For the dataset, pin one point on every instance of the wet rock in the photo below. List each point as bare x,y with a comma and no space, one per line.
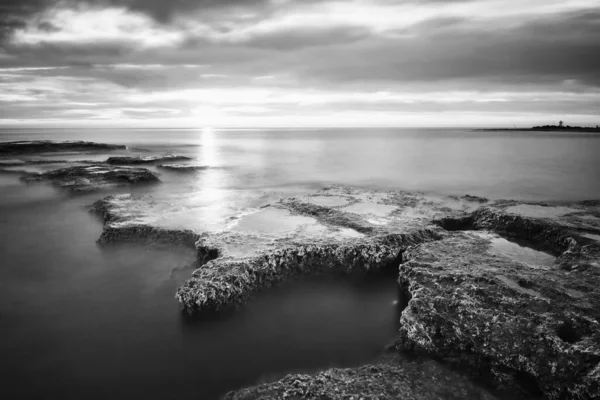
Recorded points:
475,198
183,167
386,380
366,231
148,235
520,326
81,179
43,146
229,281
11,163
125,160
517,325
125,224
13,171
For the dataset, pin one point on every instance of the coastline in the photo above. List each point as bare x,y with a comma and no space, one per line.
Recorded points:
467,303
542,129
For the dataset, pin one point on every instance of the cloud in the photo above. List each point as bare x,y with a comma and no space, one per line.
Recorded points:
93,26
265,59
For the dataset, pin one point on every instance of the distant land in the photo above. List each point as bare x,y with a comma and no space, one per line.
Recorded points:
545,128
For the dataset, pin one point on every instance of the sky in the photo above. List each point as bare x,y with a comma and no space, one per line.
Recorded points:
299,63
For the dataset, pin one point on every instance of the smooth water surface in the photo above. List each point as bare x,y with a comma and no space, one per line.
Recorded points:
81,322
516,165
77,321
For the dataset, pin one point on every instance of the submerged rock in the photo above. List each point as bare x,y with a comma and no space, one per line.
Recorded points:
42,146
388,379
125,160
93,177
183,167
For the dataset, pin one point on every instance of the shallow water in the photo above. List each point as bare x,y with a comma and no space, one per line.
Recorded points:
516,165
79,322
524,254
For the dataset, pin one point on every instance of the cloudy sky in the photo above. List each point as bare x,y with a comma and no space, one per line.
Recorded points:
299,62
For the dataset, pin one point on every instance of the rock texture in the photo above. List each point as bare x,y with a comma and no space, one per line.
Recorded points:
126,160
338,229
536,328
43,146
386,380
11,163
522,326
183,167
91,178
121,225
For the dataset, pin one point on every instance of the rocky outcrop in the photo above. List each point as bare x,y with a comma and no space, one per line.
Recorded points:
82,179
183,167
388,379
43,146
338,229
230,281
144,160
141,234
117,215
516,325
11,163
535,328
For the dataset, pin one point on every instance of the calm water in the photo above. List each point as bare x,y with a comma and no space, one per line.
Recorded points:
521,165
80,322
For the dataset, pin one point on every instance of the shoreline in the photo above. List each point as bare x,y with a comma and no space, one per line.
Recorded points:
541,129
493,298
469,307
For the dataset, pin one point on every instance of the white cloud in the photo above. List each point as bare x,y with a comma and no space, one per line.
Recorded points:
87,25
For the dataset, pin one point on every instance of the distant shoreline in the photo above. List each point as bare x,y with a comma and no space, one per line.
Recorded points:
549,128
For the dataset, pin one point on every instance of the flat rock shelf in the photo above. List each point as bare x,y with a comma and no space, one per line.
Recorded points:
44,146
507,292
90,178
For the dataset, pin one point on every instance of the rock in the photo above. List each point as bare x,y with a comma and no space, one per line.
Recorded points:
183,167
515,325
13,171
230,281
43,146
389,379
94,177
11,163
144,160
118,214
365,230
520,326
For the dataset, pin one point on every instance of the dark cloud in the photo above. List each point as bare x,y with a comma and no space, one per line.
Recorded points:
548,53
14,13
548,50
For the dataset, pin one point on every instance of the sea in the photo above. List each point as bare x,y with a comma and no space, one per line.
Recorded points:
78,321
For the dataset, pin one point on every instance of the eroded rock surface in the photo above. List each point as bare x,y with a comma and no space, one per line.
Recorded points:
11,163
93,177
43,146
538,328
183,167
127,160
125,222
361,231
519,318
389,379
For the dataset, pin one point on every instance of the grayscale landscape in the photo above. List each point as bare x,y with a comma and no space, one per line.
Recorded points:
284,199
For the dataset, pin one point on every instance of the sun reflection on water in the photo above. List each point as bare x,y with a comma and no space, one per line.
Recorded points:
211,193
